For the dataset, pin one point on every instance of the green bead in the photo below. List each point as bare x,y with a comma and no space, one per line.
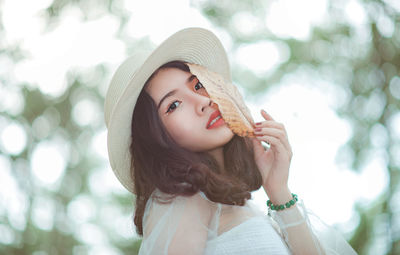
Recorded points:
283,206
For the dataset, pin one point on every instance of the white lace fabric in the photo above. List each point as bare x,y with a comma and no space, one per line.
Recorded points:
196,225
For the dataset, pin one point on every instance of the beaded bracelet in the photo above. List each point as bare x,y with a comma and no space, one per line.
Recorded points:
284,206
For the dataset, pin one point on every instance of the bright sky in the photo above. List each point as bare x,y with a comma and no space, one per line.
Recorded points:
303,104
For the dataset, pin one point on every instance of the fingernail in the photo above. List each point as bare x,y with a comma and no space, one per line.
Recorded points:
258,123
257,129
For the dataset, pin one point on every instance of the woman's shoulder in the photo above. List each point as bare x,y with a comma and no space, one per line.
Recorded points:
197,199
197,203
161,197
196,206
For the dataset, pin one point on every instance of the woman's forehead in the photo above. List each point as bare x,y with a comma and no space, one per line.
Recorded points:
166,80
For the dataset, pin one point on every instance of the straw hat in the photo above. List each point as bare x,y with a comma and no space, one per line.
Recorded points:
194,45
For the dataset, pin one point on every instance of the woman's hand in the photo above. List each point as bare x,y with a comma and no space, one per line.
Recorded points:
273,163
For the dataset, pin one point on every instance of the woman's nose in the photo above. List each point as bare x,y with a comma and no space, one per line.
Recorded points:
203,103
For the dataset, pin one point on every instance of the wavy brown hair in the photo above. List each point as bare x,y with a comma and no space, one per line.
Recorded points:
158,162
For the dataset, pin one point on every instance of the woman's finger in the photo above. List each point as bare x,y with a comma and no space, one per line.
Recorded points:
266,115
277,133
270,123
274,142
258,147
273,125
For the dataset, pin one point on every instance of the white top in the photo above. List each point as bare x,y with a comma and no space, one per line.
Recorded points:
196,225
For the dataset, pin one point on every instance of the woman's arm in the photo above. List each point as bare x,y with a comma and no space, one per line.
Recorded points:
274,164
178,227
298,234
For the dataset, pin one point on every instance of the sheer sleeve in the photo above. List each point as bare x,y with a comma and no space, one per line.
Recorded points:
176,226
325,238
196,225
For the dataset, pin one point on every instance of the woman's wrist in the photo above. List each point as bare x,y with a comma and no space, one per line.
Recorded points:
280,196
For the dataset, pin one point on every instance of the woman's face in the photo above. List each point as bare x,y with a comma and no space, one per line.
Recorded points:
186,110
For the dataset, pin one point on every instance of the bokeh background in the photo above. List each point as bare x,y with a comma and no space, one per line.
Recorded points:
327,69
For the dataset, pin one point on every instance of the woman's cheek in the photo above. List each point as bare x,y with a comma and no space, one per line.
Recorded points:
184,130
179,129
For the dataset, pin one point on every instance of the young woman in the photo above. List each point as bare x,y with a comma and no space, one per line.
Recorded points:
191,174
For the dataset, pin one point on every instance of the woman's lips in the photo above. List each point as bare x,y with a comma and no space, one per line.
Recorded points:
215,120
217,123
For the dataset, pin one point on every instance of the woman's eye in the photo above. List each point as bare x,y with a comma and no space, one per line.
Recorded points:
173,106
198,86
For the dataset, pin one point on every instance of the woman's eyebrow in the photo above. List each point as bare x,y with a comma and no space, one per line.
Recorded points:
172,92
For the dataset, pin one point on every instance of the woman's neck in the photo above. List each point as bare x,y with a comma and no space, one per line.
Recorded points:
218,154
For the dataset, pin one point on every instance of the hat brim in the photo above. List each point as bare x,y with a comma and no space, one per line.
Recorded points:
194,45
